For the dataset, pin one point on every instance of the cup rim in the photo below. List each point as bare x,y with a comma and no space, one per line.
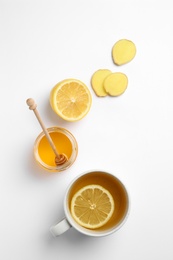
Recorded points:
90,232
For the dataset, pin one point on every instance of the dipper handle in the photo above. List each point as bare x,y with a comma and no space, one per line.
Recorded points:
60,158
31,103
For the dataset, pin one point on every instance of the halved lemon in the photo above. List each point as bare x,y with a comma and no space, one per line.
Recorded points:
92,206
70,99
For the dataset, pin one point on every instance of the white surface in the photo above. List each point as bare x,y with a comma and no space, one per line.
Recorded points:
43,42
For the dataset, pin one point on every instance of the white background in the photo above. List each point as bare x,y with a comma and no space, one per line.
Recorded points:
44,42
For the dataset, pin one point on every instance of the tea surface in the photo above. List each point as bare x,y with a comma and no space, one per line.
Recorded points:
113,186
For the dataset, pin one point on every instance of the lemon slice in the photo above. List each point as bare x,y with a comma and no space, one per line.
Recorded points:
70,99
92,206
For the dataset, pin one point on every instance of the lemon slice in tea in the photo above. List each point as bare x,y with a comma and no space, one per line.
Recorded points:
71,99
92,206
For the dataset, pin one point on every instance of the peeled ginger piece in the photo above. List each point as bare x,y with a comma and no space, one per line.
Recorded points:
97,82
115,84
123,51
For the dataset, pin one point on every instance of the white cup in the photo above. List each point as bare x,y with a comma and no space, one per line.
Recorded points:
121,200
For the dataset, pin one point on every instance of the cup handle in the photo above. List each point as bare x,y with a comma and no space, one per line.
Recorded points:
60,228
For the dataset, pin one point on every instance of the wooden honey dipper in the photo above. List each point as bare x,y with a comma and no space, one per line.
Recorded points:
59,158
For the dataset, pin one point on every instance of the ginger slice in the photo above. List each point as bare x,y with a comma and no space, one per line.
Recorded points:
123,51
115,84
97,82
